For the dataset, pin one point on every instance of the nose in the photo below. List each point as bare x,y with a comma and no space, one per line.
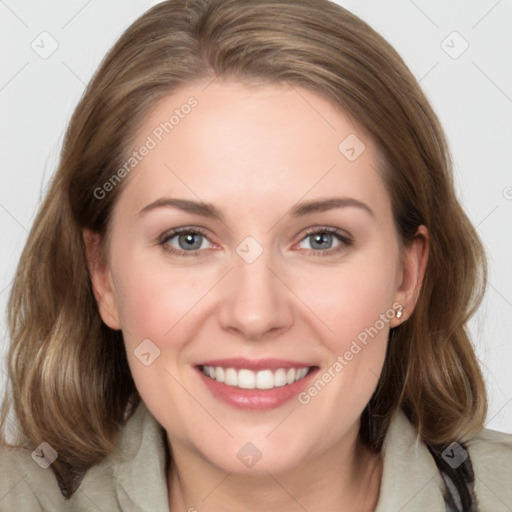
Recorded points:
256,302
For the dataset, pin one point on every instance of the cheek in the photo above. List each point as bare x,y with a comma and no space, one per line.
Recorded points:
152,299
363,294
354,299
159,302
153,303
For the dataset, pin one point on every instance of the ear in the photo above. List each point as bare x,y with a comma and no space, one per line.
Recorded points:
414,263
101,279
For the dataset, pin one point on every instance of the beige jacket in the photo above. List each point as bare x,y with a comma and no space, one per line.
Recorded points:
134,480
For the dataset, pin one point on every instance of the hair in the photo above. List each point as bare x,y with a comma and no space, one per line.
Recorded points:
69,380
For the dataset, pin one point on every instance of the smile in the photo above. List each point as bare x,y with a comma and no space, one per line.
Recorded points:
249,379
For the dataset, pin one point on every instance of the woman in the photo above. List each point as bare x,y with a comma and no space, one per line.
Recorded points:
242,291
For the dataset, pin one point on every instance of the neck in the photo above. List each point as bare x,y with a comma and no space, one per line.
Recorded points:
341,479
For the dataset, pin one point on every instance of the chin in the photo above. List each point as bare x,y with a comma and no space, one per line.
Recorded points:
256,458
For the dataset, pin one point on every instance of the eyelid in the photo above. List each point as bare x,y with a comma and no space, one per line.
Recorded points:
327,229
344,237
171,233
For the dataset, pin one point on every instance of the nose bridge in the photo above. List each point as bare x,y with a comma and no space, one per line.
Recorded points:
255,301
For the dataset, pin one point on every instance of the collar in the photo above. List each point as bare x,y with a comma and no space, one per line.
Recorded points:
139,464
410,478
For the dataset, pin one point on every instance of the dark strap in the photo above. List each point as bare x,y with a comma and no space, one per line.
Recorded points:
454,464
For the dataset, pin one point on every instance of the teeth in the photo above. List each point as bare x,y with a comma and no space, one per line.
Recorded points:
280,378
246,379
263,379
219,374
230,379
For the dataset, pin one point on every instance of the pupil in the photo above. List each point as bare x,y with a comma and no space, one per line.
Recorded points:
321,239
189,241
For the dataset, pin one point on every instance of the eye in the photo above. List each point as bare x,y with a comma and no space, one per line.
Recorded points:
321,241
191,241
184,241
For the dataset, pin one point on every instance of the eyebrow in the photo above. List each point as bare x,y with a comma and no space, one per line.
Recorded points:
299,210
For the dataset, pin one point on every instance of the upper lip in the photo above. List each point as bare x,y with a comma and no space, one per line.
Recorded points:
254,364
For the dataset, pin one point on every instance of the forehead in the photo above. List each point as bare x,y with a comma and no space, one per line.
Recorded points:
252,143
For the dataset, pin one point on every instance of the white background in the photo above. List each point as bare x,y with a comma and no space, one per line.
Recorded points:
472,95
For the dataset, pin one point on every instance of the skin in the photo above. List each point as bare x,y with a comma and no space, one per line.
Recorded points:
254,152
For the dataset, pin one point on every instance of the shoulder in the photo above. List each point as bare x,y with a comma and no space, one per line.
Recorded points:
491,456
27,485
132,478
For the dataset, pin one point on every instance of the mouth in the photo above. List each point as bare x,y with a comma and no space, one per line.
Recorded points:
255,384
249,379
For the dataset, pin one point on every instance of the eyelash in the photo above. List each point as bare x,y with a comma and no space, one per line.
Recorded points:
341,235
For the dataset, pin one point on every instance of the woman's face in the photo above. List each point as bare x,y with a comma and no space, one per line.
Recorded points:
288,260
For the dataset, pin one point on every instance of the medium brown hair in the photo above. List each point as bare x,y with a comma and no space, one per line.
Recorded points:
69,379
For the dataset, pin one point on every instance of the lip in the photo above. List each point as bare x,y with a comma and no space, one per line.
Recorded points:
255,399
254,364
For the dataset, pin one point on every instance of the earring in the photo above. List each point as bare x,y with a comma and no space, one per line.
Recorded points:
399,312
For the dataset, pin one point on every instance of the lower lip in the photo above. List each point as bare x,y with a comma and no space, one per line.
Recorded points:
256,399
